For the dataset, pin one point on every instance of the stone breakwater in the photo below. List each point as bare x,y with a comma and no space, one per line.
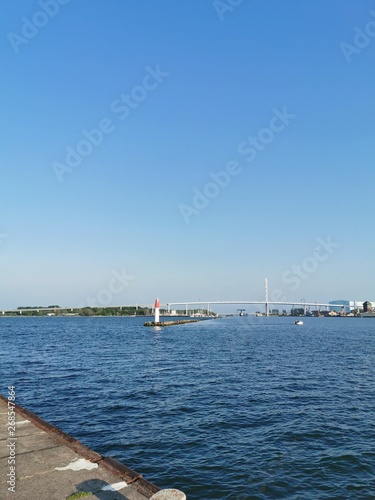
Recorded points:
170,323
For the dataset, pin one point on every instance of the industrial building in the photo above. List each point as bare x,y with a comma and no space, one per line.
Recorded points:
353,305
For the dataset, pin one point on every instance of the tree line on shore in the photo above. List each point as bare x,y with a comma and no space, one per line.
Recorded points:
56,310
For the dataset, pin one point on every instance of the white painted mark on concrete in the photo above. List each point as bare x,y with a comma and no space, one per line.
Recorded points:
169,494
21,422
115,486
79,464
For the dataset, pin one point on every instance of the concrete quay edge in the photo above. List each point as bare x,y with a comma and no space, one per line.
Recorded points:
109,464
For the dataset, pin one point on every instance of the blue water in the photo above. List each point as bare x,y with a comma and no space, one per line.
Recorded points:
239,408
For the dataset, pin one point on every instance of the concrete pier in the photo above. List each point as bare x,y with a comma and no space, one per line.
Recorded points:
170,323
40,462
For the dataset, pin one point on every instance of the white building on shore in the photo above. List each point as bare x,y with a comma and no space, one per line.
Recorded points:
350,305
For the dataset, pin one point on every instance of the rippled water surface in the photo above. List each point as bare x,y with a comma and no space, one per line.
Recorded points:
238,408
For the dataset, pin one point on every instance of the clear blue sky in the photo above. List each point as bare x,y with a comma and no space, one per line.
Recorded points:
220,76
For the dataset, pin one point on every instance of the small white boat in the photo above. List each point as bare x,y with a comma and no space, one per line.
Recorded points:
298,322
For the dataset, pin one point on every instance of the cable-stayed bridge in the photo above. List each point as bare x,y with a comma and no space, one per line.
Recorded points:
266,304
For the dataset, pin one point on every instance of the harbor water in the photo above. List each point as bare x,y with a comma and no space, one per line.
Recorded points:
237,408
